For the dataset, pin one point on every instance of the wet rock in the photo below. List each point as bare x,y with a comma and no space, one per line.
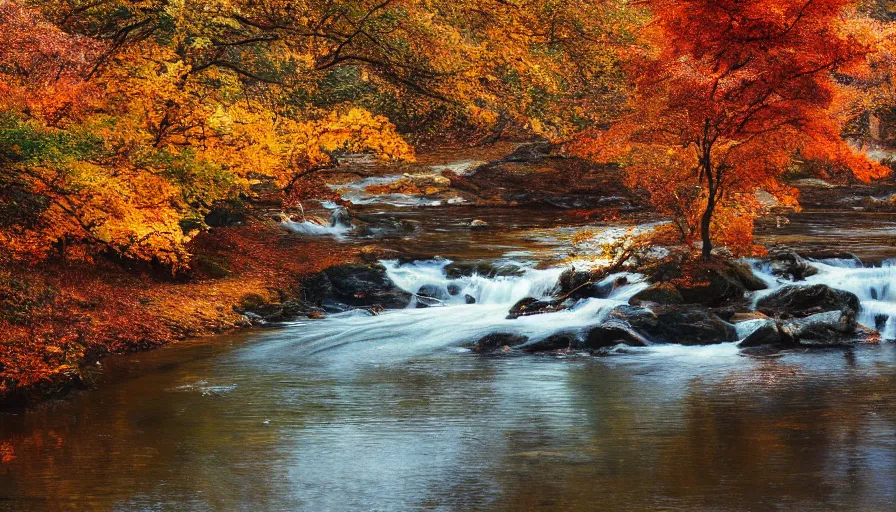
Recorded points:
469,299
691,327
803,301
790,265
428,302
822,329
766,334
684,325
478,224
433,292
557,341
611,333
639,318
355,285
496,341
721,283
660,293
532,306
453,289
571,279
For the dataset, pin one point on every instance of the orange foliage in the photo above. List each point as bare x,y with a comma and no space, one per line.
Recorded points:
730,92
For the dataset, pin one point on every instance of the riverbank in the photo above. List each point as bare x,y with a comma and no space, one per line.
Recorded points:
59,320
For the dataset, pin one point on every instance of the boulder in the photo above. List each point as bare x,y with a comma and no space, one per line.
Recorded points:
639,318
660,293
790,265
495,341
821,329
469,299
611,333
557,341
578,284
532,306
766,334
684,325
721,283
355,285
803,301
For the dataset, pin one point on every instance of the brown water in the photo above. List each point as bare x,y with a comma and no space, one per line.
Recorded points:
391,413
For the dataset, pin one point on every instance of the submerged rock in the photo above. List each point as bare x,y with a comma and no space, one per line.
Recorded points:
355,285
341,218
802,301
495,341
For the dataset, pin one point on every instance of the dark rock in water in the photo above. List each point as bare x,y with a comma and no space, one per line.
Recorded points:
822,329
691,327
433,292
458,270
341,218
612,333
684,325
790,265
558,341
722,283
577,284
660,293
802,301
453,289
355,285
639,318
496,341
469,299
334,306
532,306
766,334
571,279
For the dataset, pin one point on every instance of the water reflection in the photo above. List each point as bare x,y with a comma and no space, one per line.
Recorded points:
229,430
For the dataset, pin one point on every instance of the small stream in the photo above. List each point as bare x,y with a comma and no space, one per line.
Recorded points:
393,412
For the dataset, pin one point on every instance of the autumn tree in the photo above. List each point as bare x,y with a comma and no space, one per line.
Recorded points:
730,92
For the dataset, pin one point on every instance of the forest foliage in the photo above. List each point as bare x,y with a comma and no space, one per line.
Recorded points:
122,123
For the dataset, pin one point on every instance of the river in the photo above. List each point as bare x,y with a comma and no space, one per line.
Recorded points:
392,412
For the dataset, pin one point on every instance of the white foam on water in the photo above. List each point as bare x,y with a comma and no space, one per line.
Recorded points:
314,229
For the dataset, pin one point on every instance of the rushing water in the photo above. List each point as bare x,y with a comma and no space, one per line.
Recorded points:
393,412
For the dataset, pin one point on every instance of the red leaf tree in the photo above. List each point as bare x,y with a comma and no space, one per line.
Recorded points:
728,93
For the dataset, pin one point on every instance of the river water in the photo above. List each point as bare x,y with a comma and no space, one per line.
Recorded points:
392,412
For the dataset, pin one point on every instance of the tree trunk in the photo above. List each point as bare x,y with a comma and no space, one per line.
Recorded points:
705,223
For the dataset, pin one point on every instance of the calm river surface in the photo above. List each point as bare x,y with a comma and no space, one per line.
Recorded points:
391,413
